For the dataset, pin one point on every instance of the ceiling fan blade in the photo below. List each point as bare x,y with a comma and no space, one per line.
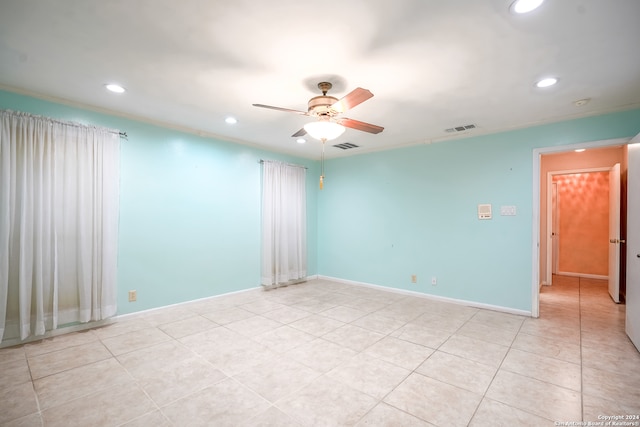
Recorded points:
358,125
301,132
353,98
286,110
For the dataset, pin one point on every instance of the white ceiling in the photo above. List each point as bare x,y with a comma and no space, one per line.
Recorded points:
431,64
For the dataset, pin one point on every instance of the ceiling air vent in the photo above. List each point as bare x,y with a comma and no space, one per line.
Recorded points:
346,145
460,128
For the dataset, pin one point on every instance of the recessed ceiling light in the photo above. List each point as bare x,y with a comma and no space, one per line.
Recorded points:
231,120
549,81
525,6
579,150
301,140
112,87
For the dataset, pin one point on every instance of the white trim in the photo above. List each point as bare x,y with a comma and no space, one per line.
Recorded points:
257,288
56,332
67,323
582,275
90,325
553,244
535,240
535,256
550,176
153,122
335,155
151,310
429,296
583,170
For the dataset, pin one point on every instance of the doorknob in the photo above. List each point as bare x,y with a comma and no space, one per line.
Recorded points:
622,241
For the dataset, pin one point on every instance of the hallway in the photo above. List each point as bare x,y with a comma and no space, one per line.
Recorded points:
580,312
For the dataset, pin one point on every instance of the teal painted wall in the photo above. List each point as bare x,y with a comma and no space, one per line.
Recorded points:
387,215
189,209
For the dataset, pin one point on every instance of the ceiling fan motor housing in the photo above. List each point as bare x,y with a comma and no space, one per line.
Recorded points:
329,109
321,105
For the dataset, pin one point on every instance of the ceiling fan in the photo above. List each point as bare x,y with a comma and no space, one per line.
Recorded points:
328,109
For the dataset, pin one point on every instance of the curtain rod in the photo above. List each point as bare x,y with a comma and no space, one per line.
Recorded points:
65,122
284,163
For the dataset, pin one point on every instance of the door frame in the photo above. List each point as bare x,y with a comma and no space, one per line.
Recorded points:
550,176
555,220
632,311
614,249
535,240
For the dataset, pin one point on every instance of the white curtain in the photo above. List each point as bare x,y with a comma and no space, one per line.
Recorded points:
284,223
59,204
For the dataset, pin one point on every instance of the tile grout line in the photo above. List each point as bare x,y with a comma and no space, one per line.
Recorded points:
33,387
581,358
381,400
484,395
414,371
581,319
410,372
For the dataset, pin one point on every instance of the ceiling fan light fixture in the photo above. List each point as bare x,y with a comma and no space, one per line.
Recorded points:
525,6
324,130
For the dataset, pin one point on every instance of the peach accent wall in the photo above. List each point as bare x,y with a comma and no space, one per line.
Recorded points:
583,229
593,158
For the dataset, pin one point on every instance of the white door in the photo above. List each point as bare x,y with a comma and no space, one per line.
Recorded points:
614,233
633,245
554,228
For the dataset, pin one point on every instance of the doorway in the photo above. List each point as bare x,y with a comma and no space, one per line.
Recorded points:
578,219
631,211
598,154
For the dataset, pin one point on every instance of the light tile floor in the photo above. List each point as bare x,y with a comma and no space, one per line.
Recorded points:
329,354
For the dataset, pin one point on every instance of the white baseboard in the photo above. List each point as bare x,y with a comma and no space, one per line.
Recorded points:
84,326
543,283
151,310
9,342
90,325
582,275
430,296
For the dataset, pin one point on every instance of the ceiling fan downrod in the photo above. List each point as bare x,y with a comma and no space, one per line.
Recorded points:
324,87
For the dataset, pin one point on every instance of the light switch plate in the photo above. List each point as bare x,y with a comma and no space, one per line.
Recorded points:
508,210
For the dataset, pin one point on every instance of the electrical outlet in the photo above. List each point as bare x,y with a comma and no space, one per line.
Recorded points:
414,278
133,296
434,281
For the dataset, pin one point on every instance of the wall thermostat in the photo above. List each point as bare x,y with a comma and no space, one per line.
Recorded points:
484,211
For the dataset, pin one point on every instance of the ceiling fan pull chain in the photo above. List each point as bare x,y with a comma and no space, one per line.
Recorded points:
322,168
